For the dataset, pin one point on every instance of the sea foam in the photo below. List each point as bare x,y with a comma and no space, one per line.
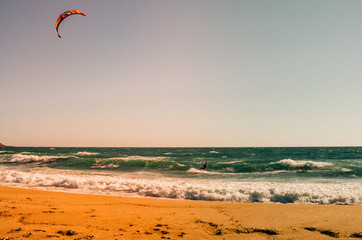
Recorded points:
139,158
202,171
86,153
142,185
22,158
300,164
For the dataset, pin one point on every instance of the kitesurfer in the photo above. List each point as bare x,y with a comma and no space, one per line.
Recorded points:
203,165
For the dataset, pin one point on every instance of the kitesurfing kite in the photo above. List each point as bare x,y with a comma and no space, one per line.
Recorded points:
63,16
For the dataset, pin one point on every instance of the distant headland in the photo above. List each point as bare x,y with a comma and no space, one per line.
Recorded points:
2,145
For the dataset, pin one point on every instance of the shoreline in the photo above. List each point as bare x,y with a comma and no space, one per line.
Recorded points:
39,214
135,196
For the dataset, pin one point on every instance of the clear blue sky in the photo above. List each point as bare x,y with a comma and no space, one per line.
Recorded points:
181,73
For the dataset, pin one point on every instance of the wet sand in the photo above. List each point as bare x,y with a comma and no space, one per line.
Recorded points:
34,214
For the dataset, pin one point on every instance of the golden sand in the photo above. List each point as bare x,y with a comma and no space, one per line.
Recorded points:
34,214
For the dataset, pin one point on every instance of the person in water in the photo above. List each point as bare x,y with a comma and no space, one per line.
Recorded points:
203,165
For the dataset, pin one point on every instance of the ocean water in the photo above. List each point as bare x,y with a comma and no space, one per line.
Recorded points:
310,175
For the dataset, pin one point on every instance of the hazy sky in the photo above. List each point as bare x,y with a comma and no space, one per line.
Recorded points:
181,73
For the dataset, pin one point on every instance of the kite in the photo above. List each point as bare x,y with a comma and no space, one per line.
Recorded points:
63,16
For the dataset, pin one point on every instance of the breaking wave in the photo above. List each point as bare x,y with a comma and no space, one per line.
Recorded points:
139,158
162,187
232,162
110,165
86,153
194,170
22,158
301,164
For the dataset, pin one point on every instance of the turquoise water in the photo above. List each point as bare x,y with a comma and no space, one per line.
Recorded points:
312,175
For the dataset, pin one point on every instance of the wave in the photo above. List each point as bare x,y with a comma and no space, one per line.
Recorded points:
86,153
194,170
232,172
21,158
110,165
232,162
301,164
115,161
162,187
346,170
139,158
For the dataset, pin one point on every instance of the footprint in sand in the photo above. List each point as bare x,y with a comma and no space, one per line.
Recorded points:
15,230
27,235
84,238
219,231
162,228
356,235
67,233
323,231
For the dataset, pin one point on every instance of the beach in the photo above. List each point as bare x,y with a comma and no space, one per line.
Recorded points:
180,120
37,214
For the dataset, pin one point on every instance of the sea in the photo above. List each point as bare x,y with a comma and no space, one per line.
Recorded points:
285,175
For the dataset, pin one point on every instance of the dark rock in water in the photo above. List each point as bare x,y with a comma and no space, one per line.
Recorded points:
285,198
256,197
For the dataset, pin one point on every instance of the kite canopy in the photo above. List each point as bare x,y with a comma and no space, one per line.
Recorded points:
63,16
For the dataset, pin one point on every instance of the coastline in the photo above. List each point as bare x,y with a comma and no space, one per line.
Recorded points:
38,214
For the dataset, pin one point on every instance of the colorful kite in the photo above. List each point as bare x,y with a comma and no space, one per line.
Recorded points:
63,16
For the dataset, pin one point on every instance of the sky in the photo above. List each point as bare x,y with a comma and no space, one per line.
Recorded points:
162,73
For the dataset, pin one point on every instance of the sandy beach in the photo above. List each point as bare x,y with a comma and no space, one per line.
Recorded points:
34,214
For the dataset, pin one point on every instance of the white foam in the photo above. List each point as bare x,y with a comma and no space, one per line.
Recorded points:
294,163
86,153
179,164
139,158
232,162
346,170
144,185
21,158
194,170
105,166
104,163
231,172
213,152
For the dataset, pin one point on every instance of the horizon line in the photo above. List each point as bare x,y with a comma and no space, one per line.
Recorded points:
310,146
